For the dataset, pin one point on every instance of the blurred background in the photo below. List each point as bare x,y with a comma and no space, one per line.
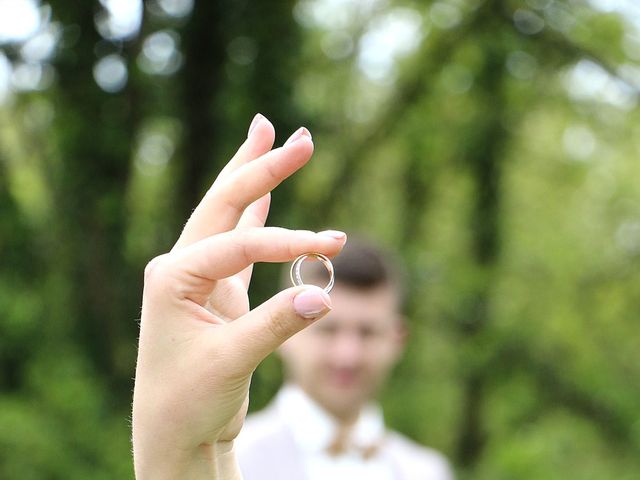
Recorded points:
493,143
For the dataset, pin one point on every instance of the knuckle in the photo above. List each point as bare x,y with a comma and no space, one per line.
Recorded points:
231,203
242,242
271,170
278,325
150,268
231,192
155,271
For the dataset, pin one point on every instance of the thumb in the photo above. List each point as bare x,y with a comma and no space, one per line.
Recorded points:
265,328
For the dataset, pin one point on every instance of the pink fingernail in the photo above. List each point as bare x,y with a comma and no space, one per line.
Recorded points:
301,132
312,303
254,123
337,234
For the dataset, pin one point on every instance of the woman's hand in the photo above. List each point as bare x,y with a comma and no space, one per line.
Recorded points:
199,342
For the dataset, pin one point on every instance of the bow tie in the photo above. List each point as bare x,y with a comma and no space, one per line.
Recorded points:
342,443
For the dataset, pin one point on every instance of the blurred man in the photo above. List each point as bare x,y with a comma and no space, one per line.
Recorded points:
323,423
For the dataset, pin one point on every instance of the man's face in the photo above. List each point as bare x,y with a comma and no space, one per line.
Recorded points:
343,359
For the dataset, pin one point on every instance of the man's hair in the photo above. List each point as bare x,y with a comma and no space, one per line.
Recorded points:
362,265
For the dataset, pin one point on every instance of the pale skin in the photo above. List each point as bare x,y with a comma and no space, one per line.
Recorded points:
199,341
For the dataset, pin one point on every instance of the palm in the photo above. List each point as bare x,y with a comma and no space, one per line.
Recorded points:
229,300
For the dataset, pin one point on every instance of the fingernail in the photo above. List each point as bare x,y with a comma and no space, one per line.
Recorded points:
301,132
254,122
312,303
337,234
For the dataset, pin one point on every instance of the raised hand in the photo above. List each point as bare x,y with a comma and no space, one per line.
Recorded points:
199,342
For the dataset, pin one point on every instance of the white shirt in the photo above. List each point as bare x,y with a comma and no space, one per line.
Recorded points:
288,441
314,430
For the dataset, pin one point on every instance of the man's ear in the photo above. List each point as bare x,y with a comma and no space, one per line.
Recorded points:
401,333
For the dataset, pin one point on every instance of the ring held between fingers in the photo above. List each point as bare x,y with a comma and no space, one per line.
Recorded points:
223,255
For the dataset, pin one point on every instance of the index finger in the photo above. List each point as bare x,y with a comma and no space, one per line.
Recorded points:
224,255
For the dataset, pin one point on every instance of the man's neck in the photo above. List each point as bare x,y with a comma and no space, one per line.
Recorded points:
345,417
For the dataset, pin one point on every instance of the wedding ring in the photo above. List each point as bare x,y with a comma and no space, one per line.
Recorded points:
296,275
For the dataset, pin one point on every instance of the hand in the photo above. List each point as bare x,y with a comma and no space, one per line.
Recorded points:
199,343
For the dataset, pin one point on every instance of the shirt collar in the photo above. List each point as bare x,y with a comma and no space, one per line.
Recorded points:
314,429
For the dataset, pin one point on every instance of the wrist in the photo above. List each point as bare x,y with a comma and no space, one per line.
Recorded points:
211,462
226,461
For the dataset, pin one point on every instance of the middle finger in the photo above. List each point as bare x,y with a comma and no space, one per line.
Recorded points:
223,205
